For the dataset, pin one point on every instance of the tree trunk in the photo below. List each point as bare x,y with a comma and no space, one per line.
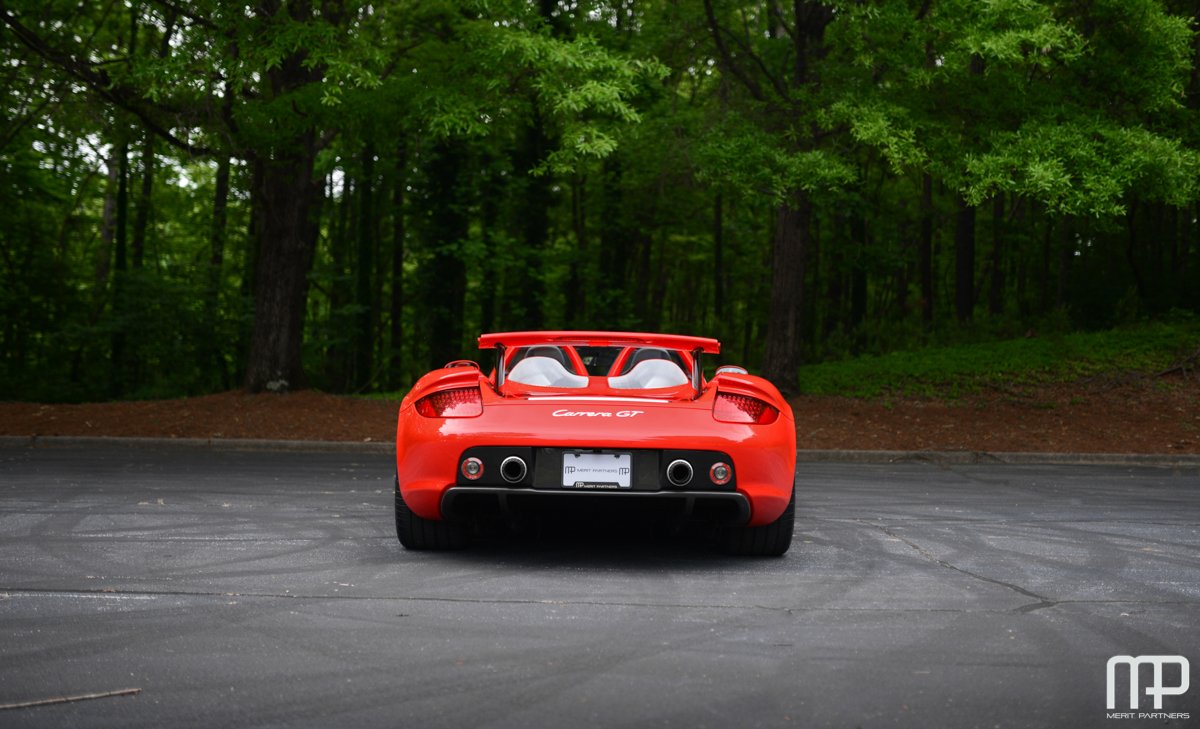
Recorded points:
290,202
641,297
216,262
1131,251
858,272
781,358
809,305
1171,224
614,302
142,217
835,284
964,262
996,288
925,249
1190,243
1153,244
339,352
396,362
489,214
1066,255
254,234
288,224
133,368
446,280
364,266
1019,260
102,262
576,293
1044,279
659,289
719,262
534,211
108,229
220,218
120,266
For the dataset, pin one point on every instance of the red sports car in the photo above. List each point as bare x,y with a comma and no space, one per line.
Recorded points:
596,418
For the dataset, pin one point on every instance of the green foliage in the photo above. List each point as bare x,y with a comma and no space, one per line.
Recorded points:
613,166
1084,169
758,164
883,126
586,89
950,371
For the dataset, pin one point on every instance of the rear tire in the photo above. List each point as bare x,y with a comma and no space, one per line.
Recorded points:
416,532
768,540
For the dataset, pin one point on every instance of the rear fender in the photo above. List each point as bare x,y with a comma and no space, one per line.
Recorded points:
447,378
751,386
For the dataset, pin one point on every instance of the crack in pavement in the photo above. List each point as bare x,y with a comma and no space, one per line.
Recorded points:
1041,603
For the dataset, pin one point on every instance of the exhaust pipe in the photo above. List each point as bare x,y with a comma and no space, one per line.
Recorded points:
513,469
679,472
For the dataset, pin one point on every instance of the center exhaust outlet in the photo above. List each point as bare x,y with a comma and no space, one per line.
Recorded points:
679,472
513,469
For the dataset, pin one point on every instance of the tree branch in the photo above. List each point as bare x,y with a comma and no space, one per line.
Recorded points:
726,57
182,10
746,49
165,47
13,129
96,79
774,11
326,138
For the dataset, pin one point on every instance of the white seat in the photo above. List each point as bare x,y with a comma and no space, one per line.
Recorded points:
545,372
650,374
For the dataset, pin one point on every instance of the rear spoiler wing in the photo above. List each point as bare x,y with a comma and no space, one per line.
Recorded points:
695,345
510,340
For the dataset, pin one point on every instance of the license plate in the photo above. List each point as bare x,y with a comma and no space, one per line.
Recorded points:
597,470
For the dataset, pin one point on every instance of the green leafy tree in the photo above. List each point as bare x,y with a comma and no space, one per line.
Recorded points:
272,83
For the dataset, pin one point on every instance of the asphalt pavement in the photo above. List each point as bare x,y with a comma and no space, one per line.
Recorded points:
267,589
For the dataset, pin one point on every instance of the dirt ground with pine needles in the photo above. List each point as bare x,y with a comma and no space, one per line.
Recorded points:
1137,415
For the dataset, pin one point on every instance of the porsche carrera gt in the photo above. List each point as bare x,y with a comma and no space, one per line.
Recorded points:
602,418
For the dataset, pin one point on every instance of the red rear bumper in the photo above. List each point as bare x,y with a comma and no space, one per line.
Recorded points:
429,450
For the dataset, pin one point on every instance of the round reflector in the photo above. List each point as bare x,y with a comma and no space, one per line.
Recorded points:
472,468
720,473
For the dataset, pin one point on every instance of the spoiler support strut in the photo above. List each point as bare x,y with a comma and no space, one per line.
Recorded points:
500,369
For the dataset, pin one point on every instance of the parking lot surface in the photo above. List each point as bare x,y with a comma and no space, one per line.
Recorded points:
268,589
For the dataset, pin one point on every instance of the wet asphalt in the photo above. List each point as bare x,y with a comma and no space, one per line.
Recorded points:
259,589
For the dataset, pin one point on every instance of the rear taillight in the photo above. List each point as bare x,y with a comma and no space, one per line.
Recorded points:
730,408
463,402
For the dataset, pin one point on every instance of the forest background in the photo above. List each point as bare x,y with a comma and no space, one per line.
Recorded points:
197,196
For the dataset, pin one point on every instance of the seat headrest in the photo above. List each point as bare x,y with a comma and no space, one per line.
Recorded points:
554,353
645,354
650,374
545,372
